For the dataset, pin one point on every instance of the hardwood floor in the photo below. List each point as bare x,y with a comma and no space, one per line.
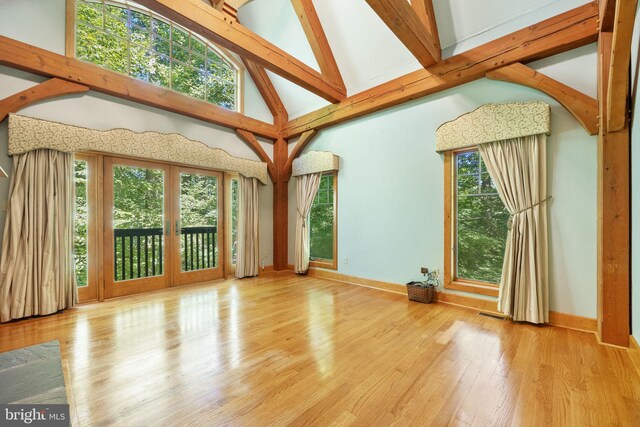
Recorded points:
287,350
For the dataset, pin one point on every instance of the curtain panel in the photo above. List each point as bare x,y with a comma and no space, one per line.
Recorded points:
37,274
306,190
518,169
248,263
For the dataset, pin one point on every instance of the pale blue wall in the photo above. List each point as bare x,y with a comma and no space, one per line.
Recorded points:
635,186
390,186
41,23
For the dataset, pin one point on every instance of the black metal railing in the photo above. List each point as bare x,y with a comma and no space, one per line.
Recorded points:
138,252
198,245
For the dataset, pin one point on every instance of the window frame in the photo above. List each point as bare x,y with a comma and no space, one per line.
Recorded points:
70,49
450,279
322,263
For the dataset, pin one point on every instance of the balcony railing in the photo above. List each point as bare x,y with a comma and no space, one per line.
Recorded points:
138,252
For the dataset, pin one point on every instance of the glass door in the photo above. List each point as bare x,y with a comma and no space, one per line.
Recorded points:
137,208
197,237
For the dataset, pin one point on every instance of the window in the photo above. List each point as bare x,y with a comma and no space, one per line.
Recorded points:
323,224
476,225
133,41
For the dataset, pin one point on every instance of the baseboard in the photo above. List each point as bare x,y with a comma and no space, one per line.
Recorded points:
571,321
562,320
369,283
634,353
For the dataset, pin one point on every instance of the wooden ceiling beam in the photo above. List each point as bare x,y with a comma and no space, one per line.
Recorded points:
16,54
561,33
228,33
51,88
304,140
318,40
607,15
267,91
618,84
582,107
426,14
254,144
401,18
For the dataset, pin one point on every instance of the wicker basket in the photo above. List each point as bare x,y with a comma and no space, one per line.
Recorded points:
417,291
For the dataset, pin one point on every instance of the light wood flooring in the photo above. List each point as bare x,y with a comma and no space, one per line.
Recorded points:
287,350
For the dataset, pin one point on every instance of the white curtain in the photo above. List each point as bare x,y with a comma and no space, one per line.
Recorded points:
306,190
248,263
37,274
518,169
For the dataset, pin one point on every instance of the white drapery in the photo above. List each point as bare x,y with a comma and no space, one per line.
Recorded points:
37,274
306,190
518,168
248,263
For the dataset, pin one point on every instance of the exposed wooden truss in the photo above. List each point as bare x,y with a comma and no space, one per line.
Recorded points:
49,89
228,33
618,84
254,144
424,11
401,18
607,15
582,107
267,91
318,40
561,33
29,58
304,140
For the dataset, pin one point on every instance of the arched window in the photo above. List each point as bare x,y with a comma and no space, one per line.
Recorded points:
134,41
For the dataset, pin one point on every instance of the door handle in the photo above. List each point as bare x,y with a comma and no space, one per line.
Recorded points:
177,227
167,230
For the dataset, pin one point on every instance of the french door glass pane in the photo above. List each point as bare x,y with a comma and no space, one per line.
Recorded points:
138,219
199,221
80,247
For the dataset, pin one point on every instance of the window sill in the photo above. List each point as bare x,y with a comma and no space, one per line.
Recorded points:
326,264
474,288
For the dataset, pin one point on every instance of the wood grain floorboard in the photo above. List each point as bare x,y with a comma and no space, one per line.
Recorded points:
283,350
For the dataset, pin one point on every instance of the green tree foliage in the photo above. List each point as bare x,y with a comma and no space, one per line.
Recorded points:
481,221
148,48
321,220
81,217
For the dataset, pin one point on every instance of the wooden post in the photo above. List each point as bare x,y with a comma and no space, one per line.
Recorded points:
613,215
280,208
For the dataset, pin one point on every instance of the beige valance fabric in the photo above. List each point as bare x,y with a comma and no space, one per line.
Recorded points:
27,134
494,122
314,162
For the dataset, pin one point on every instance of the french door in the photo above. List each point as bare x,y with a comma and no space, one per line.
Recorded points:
197,253
160,226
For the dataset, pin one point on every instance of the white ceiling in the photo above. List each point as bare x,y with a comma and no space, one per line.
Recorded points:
368,53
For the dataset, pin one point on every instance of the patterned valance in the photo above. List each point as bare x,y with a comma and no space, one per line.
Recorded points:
26,134
315,161
494,122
